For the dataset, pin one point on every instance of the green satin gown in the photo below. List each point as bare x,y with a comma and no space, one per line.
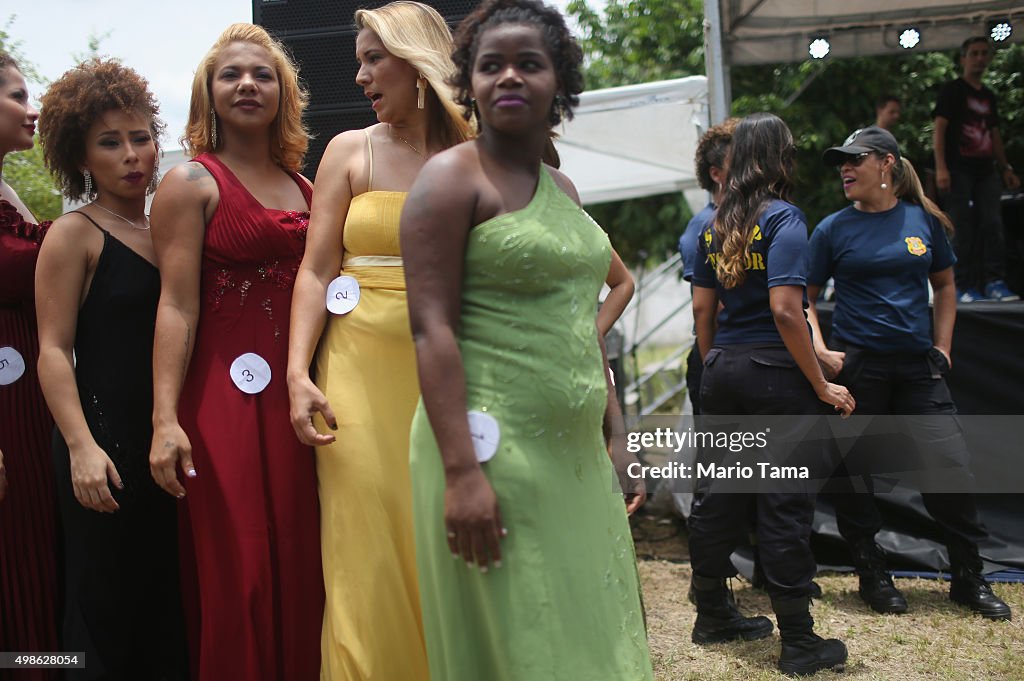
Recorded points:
565,605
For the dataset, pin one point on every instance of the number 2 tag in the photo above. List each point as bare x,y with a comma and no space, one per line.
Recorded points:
343,294
12,365
486,434
250,373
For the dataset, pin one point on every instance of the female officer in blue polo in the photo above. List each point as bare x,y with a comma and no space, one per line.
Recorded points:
759,360
882,252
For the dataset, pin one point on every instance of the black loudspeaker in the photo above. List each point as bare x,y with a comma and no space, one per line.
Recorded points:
321,36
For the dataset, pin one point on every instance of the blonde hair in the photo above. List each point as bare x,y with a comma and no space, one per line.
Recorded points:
418,35
289,138
907,186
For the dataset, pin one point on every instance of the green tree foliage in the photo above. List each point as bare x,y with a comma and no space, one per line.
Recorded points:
635,41
841,99
24,171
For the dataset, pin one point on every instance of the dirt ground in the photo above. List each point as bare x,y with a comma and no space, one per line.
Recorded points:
936,639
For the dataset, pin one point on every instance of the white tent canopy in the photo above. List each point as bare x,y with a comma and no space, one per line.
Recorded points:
634,141
778,31
774,31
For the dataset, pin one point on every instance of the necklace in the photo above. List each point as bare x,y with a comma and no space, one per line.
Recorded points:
407,142
145,218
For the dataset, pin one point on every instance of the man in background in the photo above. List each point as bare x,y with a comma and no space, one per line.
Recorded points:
887,111
970,170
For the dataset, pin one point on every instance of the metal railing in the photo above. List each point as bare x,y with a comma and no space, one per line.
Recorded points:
667,376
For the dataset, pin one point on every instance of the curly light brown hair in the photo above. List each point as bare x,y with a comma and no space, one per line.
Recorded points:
75,101
289,138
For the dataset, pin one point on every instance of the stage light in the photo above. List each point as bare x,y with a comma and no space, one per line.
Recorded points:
910,38
1001,31
819,48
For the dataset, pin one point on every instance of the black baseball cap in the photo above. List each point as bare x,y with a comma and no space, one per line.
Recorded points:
871,138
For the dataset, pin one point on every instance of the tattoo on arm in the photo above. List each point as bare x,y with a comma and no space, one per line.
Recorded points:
196,171
184,357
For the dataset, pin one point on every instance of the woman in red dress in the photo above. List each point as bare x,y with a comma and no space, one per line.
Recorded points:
28,510
229,231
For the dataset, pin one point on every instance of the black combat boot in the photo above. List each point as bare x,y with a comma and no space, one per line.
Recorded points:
970,588
876,587
803,651
718,619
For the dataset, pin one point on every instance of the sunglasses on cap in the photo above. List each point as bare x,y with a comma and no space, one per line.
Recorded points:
854,160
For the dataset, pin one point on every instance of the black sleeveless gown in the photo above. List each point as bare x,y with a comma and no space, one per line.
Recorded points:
123,605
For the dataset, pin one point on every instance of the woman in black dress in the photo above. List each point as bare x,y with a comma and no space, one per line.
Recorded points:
96,297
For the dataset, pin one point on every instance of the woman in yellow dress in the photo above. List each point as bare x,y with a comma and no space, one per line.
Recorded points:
350,300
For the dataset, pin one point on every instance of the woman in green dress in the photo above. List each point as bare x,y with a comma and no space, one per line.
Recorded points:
503,271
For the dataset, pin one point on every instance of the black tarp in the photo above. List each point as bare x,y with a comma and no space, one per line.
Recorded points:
987,378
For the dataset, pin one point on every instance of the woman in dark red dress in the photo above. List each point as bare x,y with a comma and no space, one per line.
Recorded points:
229,231
28,511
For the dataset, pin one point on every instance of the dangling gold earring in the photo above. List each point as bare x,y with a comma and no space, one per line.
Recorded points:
155,180
213,128
884,185
421,92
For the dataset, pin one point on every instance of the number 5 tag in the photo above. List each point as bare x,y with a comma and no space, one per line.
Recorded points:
250,373
12,365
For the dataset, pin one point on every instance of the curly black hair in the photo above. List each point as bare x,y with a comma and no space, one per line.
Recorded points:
565,52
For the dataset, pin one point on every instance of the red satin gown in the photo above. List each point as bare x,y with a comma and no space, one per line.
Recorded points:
251,514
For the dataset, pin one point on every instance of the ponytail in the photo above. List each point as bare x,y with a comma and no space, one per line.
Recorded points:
907,186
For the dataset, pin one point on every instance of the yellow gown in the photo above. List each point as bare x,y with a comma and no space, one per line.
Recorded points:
366,367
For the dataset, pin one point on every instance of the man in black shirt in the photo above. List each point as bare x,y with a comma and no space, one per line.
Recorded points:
968,148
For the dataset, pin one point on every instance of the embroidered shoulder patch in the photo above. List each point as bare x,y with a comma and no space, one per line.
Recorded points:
915,245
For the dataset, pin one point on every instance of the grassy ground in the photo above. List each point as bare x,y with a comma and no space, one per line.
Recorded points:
935,640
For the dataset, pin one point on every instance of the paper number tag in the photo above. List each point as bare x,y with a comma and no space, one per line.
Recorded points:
485,433
343,294
250,373
12,365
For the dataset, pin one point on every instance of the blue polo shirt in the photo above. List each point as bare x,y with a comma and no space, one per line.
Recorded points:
880,263
778,256
688,241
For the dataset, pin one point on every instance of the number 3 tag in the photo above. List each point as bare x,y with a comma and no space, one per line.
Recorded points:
486,434
251,373
12,365
343,294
